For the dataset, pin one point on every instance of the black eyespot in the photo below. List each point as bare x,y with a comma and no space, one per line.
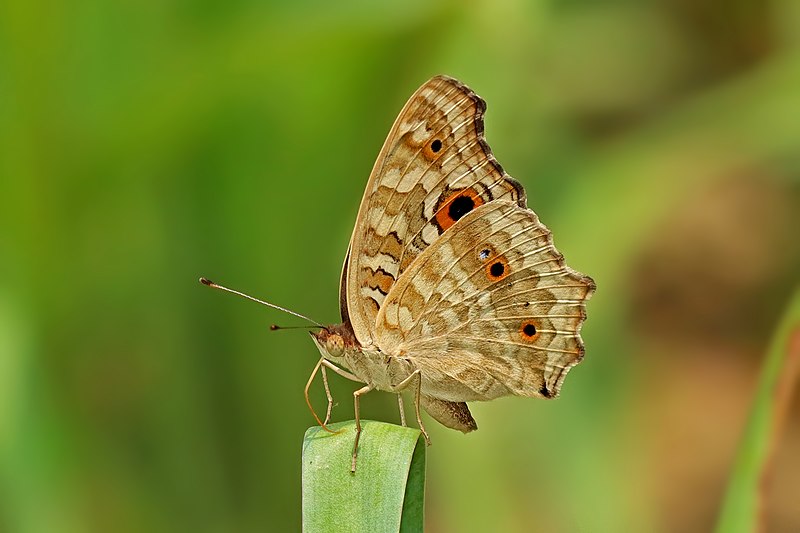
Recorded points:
529,330
497,269
460,207
484,254
436,145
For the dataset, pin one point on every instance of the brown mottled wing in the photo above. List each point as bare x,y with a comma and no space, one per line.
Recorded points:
433,169
490,309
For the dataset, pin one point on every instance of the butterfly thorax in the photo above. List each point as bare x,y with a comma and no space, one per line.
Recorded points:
338,344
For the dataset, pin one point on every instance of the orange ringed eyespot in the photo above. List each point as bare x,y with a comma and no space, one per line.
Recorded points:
497,268
433,149
456,206
528,331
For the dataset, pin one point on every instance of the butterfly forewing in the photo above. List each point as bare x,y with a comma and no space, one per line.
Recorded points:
489,309
434,169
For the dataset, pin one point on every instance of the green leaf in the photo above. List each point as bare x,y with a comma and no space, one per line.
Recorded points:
385,494
743,497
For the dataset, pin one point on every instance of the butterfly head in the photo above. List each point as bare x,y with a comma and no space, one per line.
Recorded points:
334,341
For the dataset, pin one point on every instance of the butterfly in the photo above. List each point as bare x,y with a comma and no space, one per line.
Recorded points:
451,287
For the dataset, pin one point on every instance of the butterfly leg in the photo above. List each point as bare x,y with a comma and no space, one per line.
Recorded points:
356,395
341,372
415,376
327,394
363,390
324,363
402,409
324,425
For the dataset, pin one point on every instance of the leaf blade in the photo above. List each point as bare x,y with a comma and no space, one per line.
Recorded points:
741,504
385,494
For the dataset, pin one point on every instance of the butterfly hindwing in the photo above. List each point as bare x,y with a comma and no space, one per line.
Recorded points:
434,168
493,295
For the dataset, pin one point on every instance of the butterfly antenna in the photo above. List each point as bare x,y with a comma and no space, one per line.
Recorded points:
206,281
276,327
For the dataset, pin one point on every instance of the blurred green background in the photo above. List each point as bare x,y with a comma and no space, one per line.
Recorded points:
143,144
